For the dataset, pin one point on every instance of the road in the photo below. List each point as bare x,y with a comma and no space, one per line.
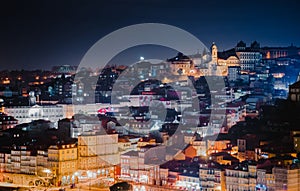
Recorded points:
95,185
145,187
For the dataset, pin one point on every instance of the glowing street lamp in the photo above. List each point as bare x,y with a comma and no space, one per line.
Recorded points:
47,171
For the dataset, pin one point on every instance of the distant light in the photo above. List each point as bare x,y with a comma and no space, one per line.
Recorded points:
142,58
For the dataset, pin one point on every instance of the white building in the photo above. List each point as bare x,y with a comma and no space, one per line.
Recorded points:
26,114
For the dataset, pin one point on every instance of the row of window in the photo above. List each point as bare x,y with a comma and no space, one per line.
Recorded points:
67,151
43,110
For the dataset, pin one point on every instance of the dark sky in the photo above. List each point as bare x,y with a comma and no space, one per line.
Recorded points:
41,34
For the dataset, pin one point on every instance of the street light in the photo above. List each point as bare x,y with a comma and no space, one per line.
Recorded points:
89,176
48,174
47,171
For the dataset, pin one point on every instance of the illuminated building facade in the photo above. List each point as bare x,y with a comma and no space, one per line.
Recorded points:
97,154
248,56
62,161
20,160
287,178
240,177
26,114
200,65
277,52
294,92
143,165
212,176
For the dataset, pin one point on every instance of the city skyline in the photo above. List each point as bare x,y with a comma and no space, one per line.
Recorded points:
40,35
149,95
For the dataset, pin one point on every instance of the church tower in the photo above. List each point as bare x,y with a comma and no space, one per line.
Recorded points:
214,53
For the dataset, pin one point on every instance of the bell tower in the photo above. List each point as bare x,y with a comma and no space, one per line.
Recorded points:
214,53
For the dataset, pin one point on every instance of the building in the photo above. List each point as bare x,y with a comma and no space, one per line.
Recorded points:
287,178
202,65
234,73
97,154
62,162
215,146
240,177
61,89
218,66
265,178
2,162
294,91
20,160
212,176
42,163
223,158
200,145
82,123
182,65
277,52
189,179
224,59
249,56
56,165
26,114
129,165
143,165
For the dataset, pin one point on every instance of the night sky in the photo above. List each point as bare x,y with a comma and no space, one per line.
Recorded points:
41,34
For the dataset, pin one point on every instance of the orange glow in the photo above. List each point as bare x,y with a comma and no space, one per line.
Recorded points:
6,81
268,56
278,75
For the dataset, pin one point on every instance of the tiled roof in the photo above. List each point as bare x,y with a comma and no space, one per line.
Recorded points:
295,85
